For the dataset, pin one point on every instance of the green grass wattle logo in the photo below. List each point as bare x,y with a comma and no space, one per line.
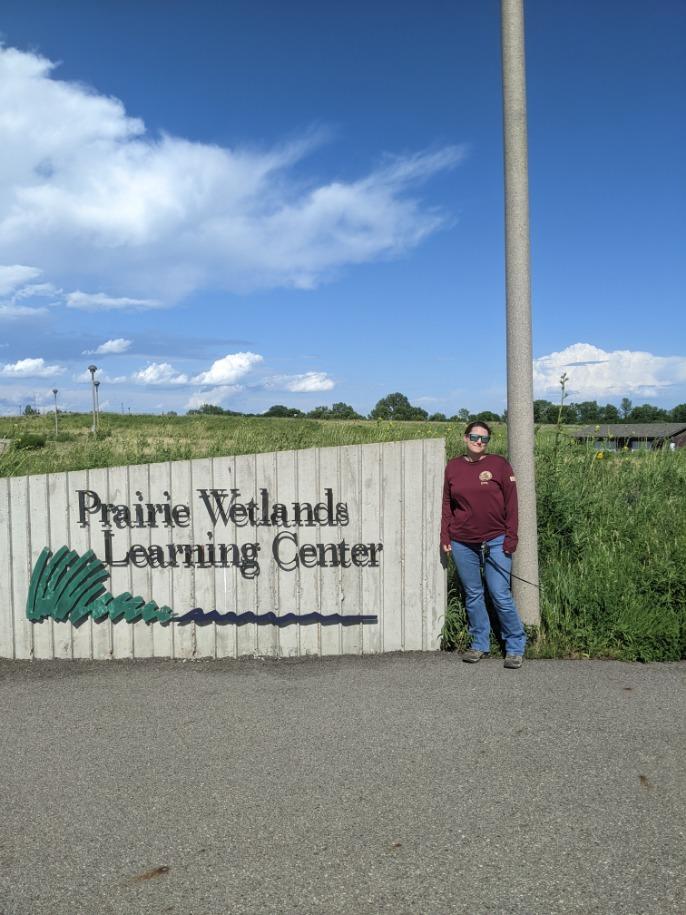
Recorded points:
68,588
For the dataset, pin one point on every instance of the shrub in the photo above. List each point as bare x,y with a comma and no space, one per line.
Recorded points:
30,441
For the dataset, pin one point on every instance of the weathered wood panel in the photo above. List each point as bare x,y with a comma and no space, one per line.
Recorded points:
277,554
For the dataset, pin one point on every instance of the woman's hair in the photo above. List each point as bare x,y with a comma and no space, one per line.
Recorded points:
480,423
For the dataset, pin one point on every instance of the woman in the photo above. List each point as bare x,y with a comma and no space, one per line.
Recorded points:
479,526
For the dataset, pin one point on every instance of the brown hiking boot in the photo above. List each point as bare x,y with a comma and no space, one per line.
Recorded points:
472,655
513,661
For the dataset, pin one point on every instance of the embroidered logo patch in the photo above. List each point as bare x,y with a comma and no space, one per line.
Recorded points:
485,476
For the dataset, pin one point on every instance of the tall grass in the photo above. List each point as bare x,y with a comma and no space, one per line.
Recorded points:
612,530
613,552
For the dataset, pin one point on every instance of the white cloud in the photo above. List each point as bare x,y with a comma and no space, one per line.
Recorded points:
17,395
156,218
222,374
229,369
159,373
16,275
118,345
594,372
30,368
13,283
10,312
300,384
215,396
98,301
37,290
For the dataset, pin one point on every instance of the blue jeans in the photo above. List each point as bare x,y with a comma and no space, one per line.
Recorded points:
497,568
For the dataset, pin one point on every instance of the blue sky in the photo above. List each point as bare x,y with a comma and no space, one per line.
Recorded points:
244,204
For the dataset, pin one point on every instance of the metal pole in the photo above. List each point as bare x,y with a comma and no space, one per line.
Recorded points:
97,401
520,417
93,369
54,391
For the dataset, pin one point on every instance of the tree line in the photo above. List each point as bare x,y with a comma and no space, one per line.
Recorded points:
397,407
589,411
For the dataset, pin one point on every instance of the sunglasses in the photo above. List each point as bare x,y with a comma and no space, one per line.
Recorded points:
479,438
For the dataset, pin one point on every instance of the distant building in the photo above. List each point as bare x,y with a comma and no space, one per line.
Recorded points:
634,436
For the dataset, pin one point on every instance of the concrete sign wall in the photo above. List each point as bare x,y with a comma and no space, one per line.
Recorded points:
318,552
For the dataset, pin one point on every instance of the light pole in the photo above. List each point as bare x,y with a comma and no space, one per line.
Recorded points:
97,400
520,416
54,391
93,369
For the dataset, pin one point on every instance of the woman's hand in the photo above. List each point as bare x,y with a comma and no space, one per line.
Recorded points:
509,546
447,548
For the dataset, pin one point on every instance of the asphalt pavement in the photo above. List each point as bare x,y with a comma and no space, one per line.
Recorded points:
404,784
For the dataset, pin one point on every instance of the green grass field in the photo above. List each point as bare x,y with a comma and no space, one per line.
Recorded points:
141,439
612,530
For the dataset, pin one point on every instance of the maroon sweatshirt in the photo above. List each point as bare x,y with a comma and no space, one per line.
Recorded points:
479,501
